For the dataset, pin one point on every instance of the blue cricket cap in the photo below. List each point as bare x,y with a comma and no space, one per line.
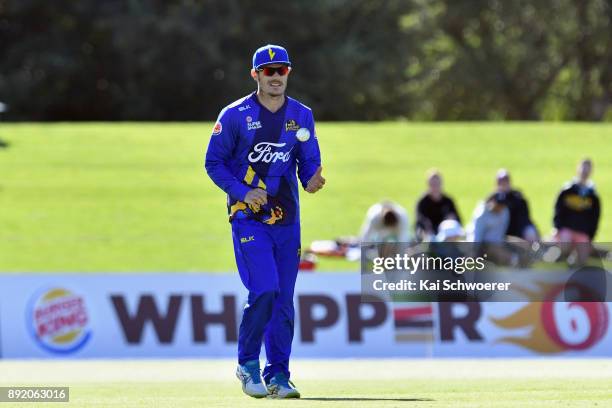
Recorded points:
270,54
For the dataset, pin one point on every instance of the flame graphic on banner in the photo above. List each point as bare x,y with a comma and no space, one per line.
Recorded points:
530,316
545,334
537,339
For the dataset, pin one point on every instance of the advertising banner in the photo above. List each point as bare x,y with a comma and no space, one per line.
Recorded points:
197,315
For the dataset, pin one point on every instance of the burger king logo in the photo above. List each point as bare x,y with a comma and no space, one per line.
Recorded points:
59,320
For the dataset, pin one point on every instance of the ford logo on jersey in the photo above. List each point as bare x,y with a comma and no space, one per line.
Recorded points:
263,152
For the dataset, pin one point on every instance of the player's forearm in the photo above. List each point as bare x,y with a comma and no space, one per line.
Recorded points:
307,169
226,181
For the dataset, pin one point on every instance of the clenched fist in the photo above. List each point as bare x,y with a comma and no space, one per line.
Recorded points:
316,182
256,196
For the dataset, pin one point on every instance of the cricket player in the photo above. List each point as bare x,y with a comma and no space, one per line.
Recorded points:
256,146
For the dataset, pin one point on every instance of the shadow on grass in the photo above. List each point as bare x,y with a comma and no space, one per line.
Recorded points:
365,399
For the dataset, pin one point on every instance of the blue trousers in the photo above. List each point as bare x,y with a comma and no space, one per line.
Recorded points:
267,257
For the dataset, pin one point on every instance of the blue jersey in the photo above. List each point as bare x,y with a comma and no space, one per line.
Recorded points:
252,147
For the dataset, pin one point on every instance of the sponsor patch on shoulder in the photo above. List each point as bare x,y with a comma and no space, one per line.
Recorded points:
217,128
291,125
303,134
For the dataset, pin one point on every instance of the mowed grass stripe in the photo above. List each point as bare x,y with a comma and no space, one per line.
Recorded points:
325,383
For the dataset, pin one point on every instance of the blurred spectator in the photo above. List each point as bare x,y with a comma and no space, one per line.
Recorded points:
491,220
520,225
450,231
433,208
577,213
489,226
385,222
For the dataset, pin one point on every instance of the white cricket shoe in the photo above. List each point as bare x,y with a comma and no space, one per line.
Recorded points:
250,377
281,387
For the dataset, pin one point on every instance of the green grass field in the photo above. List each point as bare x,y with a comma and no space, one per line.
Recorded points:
325,383
134,197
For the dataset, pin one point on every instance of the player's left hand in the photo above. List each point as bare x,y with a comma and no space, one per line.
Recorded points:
316,182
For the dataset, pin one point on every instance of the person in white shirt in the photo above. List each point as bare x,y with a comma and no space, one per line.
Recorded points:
386,221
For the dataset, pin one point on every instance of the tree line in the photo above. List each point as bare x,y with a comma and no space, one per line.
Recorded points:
353,59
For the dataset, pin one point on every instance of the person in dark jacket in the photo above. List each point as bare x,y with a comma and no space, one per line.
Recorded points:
433,208
577,211
520,224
